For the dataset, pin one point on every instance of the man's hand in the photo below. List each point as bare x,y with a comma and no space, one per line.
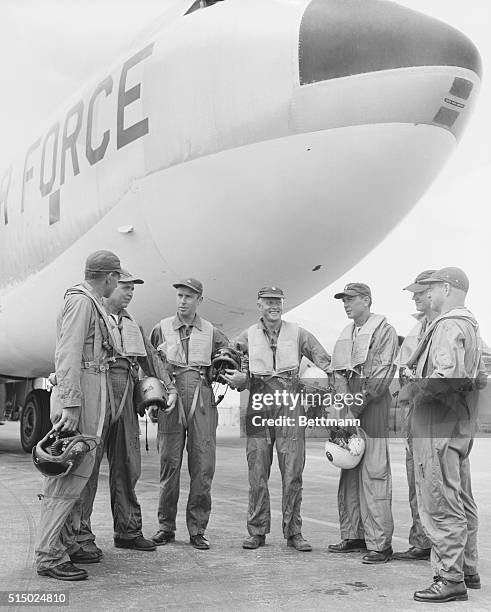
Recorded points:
236,379
171,401
69,419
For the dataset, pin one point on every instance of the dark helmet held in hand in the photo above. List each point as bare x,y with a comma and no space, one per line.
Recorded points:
149,391
224,359
60,453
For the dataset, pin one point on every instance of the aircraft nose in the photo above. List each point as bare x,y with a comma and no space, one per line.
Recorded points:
341,38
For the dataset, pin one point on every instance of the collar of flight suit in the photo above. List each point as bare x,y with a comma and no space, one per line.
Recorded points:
268,332
453,313
123,314
88,287
177,323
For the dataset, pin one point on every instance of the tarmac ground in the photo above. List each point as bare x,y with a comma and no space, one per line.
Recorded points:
178,577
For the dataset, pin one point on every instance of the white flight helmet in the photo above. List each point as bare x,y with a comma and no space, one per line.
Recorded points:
346,453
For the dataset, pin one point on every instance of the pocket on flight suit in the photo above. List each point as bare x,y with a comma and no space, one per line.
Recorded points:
441,468
376,464
168,423
431,483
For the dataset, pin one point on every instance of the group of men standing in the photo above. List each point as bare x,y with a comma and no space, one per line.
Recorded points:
100,349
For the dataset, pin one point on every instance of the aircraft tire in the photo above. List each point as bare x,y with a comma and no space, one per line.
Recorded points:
34,420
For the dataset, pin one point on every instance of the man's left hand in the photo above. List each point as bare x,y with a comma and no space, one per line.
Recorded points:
236,379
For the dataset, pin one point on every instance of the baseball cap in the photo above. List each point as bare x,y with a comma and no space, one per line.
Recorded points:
126,277
270,292
353,289
190,283
416,286
103,261
453,276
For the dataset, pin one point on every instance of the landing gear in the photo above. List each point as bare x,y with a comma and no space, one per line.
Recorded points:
34,421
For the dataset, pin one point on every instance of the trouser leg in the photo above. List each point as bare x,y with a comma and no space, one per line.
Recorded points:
201,448
123,453
59,497
259,451
82,511
438,478
417,536
170,441
291,459
350,522
375,483
470,508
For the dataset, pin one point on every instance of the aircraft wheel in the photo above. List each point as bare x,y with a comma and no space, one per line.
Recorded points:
34,421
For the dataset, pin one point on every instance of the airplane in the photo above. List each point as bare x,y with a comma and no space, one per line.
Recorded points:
242,142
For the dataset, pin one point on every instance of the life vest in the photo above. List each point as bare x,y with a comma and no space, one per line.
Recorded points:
261,354
411,341
200,344
105,325
349,352
420,356
128,341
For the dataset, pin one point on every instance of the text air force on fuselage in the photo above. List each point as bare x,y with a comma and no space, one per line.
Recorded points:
51,158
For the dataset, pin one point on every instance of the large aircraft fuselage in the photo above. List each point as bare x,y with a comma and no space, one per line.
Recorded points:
251,142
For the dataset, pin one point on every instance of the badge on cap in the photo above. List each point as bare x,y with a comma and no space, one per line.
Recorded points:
270,292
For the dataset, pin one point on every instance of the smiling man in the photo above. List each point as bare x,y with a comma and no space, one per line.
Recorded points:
363,362
186,343
274,349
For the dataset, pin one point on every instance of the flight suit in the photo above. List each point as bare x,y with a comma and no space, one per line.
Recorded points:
447,361
121,439
81,362
289,439
193,421
366,365
417,536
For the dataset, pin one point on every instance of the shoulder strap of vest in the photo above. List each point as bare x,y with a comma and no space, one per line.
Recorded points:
164,324
430,329
207,324
102,315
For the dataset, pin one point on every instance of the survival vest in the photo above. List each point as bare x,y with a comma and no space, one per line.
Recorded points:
127,338
420,356
349,352
261,353
199,347
411,341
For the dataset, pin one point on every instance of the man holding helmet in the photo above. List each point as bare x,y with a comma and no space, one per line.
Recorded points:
78,402
121,431
363,362
187,343
274,349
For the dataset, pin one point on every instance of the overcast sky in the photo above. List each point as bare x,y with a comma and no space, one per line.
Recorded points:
49,48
